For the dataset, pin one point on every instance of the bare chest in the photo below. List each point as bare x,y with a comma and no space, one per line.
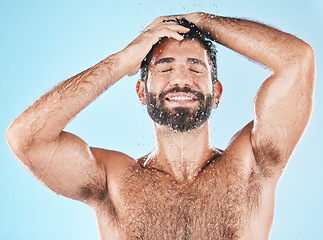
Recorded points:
216,205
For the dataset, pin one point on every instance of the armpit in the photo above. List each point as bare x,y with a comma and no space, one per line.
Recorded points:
96,190
268,157
90,191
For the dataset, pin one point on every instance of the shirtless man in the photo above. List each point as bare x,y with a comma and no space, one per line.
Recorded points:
184,188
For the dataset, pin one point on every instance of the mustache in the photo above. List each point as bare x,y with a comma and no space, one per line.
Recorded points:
177,89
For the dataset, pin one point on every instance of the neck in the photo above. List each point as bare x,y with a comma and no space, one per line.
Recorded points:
181,154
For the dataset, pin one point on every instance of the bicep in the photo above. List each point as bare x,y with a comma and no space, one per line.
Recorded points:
68,167
282,110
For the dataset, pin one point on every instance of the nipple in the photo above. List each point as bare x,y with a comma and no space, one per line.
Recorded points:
228,235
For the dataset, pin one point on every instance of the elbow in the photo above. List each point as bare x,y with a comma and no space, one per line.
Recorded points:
15,140
298,61
307,57
301,66
307,67
12,138
305,60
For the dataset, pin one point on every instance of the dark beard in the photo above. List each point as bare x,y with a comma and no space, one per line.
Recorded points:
181,118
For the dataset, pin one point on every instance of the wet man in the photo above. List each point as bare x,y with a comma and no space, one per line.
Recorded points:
185,188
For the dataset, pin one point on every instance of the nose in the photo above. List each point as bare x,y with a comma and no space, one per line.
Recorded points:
180,78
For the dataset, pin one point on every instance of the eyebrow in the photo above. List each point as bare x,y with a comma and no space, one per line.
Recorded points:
165,60
196,61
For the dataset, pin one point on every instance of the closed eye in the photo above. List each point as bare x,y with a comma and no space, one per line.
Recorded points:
195,71
167,70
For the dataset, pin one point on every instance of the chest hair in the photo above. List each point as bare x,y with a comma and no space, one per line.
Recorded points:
215,205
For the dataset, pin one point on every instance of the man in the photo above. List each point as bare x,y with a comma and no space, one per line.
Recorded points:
184,188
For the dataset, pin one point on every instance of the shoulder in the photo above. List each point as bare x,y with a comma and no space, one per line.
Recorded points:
240,143
112,160
114,164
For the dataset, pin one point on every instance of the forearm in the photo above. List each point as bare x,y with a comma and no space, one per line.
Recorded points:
48,116
285,97
261,43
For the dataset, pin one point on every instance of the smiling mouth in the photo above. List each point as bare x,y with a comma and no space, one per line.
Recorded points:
180,98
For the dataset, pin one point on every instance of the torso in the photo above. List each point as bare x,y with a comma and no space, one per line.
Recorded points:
230,199
220,203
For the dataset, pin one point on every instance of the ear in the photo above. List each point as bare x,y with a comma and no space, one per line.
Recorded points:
217,93
140,89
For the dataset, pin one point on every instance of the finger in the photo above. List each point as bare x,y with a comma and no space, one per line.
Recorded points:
158,25
177,28
166,32
162,19
153,24
174,27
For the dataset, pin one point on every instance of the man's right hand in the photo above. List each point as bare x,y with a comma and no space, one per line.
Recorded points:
161,27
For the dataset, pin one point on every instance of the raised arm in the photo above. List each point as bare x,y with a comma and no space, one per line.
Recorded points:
61,160
283,104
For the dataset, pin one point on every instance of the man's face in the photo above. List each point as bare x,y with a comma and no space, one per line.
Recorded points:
179,90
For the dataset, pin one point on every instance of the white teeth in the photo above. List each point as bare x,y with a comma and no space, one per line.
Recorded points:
181,98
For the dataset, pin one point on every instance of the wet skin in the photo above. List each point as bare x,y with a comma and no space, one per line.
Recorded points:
230,196
179,92
185,188
221,196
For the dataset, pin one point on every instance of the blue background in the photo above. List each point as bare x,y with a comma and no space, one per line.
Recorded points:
45,42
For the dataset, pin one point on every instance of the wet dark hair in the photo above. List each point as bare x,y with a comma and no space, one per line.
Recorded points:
194,34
